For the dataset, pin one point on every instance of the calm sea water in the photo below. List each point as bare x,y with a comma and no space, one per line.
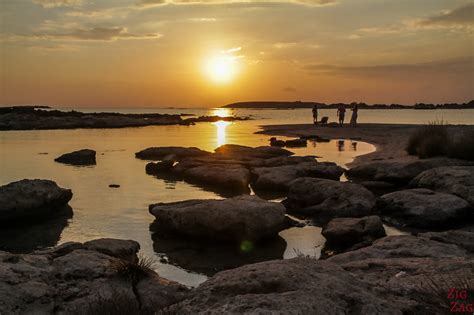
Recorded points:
100,211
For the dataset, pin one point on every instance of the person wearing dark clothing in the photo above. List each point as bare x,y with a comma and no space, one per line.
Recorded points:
315,114
355,110
341,113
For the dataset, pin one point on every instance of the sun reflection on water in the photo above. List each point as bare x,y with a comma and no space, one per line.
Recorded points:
221,135
221,112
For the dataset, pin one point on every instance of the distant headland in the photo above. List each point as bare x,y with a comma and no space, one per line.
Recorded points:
299,104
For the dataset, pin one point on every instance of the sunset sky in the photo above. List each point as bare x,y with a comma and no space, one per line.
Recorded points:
146,53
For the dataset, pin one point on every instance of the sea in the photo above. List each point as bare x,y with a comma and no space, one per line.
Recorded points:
100,211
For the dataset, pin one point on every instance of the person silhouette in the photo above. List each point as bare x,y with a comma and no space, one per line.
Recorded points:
341,112
355,110
315,114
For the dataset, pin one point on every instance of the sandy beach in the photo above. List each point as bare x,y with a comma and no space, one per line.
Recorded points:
389,139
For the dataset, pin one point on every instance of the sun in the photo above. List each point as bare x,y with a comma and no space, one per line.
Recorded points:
222,67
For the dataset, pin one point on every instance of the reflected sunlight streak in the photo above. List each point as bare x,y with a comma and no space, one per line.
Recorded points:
221,112
221,135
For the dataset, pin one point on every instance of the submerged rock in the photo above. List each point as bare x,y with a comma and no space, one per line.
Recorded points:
325,199
81,157
238,219
423,208
456,180
399,173
158,153
280,177
345,234
80,278
30,200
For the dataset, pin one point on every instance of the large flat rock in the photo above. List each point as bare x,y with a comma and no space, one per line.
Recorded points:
76,278
399,173
456,180
280,177
343,234
31,199
238,219
424,208
324,199
158,153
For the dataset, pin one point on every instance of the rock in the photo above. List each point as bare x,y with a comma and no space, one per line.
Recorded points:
239,219
460,238
114,186
159,167
158,153
344,234
325,199
124,249
417,268
233,177
399,173
378,187
423,208
31,200
75,278
280,177
274,142
456,180
238,152
294,286
296,143
81,157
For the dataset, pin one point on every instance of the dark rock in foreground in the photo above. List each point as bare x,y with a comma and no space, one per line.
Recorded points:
29,200
396,275
423,208
456,180
90,278
81,157
324,199
345,234
399,173
239,219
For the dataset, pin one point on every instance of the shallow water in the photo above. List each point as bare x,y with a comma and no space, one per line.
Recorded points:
100,211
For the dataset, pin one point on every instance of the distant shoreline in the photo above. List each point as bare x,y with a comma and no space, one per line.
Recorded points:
298,104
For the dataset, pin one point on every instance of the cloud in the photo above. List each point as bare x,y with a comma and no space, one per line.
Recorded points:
460,16
57,3
456,65
93,34
304,2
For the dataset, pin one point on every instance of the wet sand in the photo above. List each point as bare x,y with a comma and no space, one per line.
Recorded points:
389,139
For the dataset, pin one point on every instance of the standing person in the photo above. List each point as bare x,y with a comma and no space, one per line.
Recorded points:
315,114
341,112
355,109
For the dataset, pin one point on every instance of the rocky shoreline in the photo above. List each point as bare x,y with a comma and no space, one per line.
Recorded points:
32,118
234,240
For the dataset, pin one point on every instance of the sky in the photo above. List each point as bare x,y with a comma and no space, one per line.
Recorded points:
206,53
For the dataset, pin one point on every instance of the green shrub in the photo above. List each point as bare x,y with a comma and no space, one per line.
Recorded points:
429,140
